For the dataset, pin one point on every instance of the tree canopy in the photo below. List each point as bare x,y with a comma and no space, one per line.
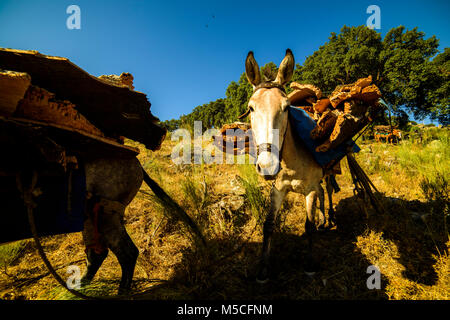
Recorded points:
404,65
401,65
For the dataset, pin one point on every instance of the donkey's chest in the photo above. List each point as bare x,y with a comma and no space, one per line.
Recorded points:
296,182
298,186
294,185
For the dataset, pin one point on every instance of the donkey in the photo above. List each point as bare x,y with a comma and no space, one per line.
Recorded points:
294,169
111,184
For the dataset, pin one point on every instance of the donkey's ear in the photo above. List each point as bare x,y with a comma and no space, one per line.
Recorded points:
252,70
286,69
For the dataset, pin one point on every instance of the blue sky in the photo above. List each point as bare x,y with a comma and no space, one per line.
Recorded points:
184,53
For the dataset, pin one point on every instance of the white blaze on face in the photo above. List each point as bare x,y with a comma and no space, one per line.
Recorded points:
268,163
269,120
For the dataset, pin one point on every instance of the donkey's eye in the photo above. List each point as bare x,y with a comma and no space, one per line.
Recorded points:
251,108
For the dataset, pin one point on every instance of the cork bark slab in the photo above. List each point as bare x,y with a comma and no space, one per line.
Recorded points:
102,103
324,126
321,105
302,92
39,104
13,86
360,90
79,142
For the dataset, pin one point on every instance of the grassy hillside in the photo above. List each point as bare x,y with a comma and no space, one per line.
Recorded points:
409,242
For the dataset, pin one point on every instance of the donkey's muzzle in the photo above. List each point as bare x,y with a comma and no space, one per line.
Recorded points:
268,162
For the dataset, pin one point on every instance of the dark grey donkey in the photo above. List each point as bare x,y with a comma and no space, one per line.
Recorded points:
111,185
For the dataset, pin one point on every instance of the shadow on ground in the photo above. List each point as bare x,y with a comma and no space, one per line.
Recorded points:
417,229
343,268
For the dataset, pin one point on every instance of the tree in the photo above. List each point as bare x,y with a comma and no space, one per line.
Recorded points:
343,59
400,65
238,94
408,76
171,125
441,95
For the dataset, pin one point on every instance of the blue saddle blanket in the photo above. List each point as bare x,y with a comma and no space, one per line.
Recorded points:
302,124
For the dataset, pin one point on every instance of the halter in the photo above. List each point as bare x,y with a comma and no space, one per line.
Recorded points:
269,85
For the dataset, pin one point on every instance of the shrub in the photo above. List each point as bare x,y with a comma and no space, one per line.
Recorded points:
257,200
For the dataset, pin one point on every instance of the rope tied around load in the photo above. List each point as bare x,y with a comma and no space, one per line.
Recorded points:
27,193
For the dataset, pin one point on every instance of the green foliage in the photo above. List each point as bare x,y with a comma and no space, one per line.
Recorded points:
352,54
439,98
170,125
195,193
257,200
238,95
429,162
436,187
95,289
408,74
211,114
401,65
10,252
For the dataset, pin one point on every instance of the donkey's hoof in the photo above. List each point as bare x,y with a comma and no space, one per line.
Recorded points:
262,281
311,268
123,291
321,227
263,275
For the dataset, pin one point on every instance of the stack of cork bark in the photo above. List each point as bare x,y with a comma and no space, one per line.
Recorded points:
340,116
236,137
19,98
55,93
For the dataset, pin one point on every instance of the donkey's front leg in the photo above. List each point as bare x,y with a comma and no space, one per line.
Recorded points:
331,185
276,199
310,229
323,219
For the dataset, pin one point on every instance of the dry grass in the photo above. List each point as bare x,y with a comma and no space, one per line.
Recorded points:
409,242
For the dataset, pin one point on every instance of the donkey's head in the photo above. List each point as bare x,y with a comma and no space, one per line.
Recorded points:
268,109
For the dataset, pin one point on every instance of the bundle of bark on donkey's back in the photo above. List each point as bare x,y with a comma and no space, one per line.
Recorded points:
340,116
